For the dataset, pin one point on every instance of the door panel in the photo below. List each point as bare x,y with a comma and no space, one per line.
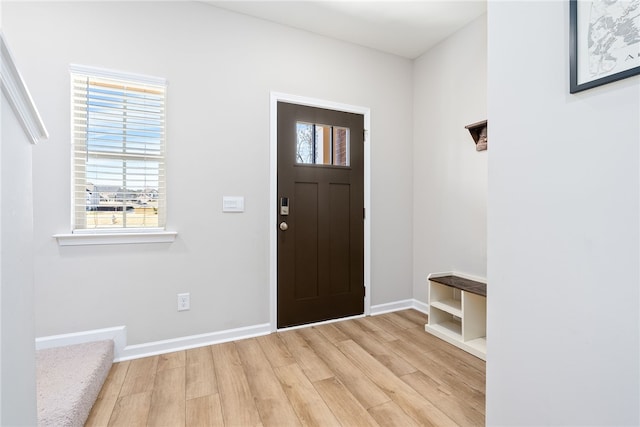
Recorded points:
321,252
305,233
339,238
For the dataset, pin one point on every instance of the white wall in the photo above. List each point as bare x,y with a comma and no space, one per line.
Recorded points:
563,245
450,176
221,68
562,205
18,387
19,127
1,346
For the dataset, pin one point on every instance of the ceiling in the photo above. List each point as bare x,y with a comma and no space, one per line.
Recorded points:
403,28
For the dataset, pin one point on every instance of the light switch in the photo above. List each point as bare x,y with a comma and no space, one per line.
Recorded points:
232,204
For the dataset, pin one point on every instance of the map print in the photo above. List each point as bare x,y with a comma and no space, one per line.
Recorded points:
613,36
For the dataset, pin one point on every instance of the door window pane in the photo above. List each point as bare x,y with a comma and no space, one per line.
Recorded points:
304,147
319,144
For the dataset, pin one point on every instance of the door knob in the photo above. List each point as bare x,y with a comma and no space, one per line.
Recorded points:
284,226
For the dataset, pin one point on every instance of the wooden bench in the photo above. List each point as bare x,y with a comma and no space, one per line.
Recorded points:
458,312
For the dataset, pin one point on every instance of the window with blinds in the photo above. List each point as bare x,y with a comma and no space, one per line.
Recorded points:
118,128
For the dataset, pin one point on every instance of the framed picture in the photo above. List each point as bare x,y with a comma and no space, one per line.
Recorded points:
604,42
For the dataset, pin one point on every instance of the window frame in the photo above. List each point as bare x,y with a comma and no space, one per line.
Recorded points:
115,235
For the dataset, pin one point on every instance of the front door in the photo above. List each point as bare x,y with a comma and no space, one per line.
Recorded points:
320,214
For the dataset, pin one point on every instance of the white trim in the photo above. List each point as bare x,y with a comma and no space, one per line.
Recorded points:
391,306
273,191
421,306
193,341
118,238
400,305
456,273
117,75
124,352
15,89
118,334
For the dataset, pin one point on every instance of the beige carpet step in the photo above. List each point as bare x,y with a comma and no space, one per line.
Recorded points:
68,381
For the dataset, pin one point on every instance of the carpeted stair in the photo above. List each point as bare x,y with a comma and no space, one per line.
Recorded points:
68,381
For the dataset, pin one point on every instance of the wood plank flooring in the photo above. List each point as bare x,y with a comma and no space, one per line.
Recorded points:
374,371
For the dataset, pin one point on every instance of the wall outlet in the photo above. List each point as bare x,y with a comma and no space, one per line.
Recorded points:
184,302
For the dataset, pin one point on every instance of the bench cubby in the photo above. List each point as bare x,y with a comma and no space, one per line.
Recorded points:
458,312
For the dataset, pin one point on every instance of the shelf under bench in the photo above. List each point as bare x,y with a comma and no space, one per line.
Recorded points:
458,312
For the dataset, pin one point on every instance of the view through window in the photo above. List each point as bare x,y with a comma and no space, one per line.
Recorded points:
118,125
322,144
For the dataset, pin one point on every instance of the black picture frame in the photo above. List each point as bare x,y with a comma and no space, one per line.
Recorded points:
594,62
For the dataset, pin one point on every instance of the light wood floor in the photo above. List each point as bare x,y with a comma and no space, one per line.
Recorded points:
376,371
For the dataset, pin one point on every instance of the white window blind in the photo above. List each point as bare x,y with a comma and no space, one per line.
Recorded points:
118,127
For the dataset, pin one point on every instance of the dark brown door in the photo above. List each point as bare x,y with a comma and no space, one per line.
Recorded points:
321,240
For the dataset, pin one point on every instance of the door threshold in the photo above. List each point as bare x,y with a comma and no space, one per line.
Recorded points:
324,322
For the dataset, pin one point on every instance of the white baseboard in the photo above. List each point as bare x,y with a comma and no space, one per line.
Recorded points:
124,352
421,306
399,305
391,306
184,343
118,334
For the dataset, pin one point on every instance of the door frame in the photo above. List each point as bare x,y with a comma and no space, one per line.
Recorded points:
273,193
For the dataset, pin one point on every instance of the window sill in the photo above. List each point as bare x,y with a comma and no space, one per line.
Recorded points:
115,238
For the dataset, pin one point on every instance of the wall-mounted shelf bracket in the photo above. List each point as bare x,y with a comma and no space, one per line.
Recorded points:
478,132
